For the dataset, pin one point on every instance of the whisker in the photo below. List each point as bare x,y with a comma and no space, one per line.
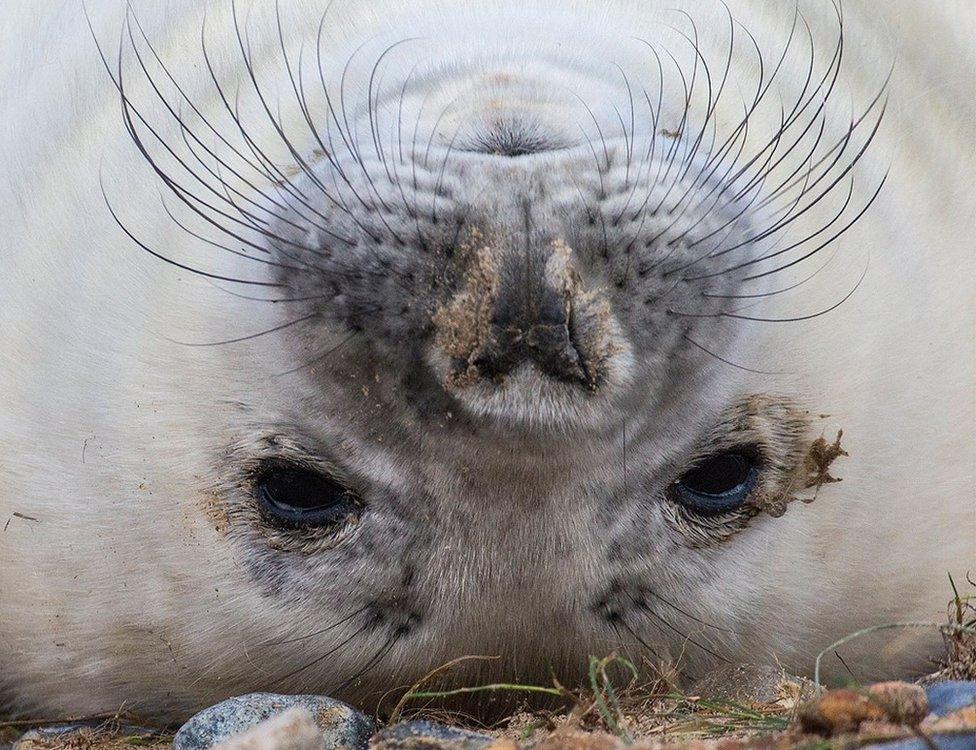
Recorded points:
323,656
321,631
694,343
251,336
647,611
319,357
371,663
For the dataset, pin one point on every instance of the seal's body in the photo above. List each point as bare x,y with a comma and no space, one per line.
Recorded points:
338,347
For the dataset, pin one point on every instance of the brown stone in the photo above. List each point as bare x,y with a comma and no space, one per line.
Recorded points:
576,740
903,702
838,711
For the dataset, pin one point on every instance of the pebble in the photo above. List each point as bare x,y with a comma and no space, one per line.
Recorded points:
341,726
903,702
838,711
575,740
750,684
946,697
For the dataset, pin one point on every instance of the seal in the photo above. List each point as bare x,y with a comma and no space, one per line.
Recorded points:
344,339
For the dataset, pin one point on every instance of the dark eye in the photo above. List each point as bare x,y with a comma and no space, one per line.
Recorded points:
718,484
296,497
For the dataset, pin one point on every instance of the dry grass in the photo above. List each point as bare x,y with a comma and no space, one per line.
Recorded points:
615,701
961,638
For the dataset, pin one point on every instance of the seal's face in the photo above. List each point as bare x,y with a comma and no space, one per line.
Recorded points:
502,438
506,432
501,346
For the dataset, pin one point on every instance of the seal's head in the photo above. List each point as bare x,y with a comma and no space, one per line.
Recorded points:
501,347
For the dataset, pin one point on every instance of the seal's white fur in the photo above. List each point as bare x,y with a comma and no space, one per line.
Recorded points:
115,585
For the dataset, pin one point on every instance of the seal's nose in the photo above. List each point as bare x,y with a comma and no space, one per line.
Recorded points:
532,321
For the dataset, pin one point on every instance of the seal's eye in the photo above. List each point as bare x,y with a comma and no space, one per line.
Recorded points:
718,484
296,497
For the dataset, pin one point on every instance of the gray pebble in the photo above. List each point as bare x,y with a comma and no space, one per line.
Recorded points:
342,726
749,684
946,697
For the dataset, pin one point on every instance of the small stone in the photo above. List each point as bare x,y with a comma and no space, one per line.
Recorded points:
945,697
838,711
341,726
751,685
903,702
575,740
426,735
502,743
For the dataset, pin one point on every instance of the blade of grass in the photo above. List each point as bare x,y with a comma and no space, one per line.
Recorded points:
398,708
606,689
874,629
